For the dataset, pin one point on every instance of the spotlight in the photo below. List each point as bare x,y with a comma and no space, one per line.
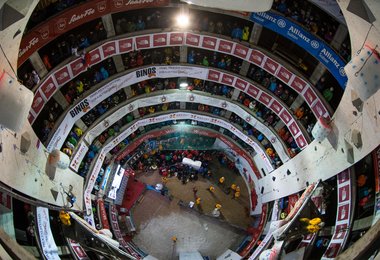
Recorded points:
183,85
183,20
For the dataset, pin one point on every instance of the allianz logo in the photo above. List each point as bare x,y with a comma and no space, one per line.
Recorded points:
314,44
281,23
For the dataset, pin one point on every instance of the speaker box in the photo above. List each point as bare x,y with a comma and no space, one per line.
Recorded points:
15,102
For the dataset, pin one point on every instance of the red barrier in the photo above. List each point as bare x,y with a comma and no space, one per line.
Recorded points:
74,17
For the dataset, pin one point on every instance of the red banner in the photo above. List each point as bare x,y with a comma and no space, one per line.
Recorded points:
74,17
160,40
225,46
301,142
176,38
241,84
103,214
294,128
228,79
265,98
241,51
209,42
253,91
142,42
298,84
125,45
310,96
271,66
192,39
109,49
256,57
38,102
62,76
213,75
276,106
319,109
285,116
48,87
284,74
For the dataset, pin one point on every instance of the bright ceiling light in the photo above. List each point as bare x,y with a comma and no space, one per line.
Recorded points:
183,20
183,85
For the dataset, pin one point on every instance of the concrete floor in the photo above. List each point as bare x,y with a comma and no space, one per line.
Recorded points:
158,219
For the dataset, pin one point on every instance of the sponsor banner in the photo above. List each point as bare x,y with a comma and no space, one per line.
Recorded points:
225,46
48,246
38,103
376,170
77,249
77,67
48,88
111,48
85,105
310,96
103,214
117,232
343,216
192,39
125,45
209,42
62,76
73,17
271,65
78,157
95,56
181,116
143,42
160,40
257,57
284,74
312,44
241,51
176,38
90,185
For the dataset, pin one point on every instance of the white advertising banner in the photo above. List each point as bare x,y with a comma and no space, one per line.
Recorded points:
91,182
48,246
181,97
67,73
184,116
78,157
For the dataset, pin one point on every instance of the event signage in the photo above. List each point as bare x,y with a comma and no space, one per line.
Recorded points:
78,157
343,217
48,246
312,44
117,232
71,18
82,107
124,45
103,214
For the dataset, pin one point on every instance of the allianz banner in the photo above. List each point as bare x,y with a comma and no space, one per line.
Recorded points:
312,44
